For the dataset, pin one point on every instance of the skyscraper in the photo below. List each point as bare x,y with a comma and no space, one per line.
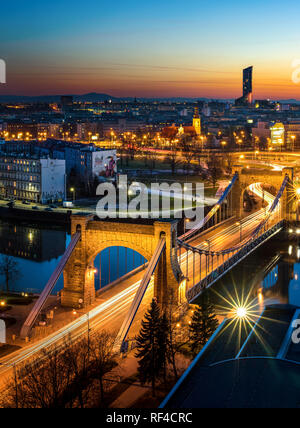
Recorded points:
247,97
247,84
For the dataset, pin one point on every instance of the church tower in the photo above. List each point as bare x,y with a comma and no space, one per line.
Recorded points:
197,122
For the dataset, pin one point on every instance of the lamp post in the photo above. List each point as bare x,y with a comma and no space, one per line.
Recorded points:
293,137
186,220
240,224
88,328
73,190
224,144
208,244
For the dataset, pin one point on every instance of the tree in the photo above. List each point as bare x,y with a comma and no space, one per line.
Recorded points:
9,268
173,345
41,383
203,325
103,359
229,163
151,347
187,152
174,160
214,169
62,376
152,158
263,143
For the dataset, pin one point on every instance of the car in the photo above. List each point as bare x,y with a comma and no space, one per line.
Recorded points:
48,209
25,203
35,208
53,206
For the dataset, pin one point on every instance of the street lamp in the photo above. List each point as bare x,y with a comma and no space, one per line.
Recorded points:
241,312
74,192
293,137
239,223
186,220
208,244
224,144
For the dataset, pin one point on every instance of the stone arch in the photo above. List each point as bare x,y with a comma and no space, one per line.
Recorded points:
101,246
98,235
246,177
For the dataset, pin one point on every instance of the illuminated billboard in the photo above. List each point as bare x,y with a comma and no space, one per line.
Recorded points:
277,134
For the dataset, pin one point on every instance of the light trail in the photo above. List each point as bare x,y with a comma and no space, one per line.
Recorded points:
116,307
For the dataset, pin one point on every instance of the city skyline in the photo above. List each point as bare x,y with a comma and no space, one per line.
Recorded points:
157,50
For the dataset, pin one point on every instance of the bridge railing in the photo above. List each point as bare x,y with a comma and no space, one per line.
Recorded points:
233,259
228,257
34,313
191,233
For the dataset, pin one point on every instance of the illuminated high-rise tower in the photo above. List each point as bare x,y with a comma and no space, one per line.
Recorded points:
247,97
197,121
247,84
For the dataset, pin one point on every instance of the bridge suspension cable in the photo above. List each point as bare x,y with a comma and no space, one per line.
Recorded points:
124,330
202,274
189,234
252,236
27,326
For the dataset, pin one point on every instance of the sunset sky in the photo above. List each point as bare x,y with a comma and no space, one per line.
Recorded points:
158,48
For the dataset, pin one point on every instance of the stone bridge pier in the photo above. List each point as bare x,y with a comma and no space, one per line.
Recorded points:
246,177
97,235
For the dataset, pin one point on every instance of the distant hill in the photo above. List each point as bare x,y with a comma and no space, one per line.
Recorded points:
92,97
95,97
291,101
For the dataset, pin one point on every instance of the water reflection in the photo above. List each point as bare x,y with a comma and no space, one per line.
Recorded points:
38,249
114,262
31,242
269,276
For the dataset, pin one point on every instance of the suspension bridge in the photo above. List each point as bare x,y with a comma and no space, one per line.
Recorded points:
182,265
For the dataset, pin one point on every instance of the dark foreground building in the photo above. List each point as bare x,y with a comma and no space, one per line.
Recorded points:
249,368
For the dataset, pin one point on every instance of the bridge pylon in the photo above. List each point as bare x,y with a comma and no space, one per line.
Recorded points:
97,235
246,177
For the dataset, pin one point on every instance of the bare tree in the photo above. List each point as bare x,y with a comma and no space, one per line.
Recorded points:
187,152
229,163
214,169
62,377
41,383
174,160
9,268
103,359
174,346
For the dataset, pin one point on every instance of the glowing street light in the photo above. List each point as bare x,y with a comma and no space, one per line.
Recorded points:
241,312
73,191
293,137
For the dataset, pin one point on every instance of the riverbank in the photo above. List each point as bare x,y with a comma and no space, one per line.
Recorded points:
36,216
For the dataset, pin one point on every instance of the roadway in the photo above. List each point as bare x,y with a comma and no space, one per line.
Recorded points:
110,313
233,234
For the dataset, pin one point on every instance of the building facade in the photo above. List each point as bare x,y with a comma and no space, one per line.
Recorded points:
247,97
35,180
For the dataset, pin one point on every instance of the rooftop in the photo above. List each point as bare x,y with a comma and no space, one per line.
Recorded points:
258,368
